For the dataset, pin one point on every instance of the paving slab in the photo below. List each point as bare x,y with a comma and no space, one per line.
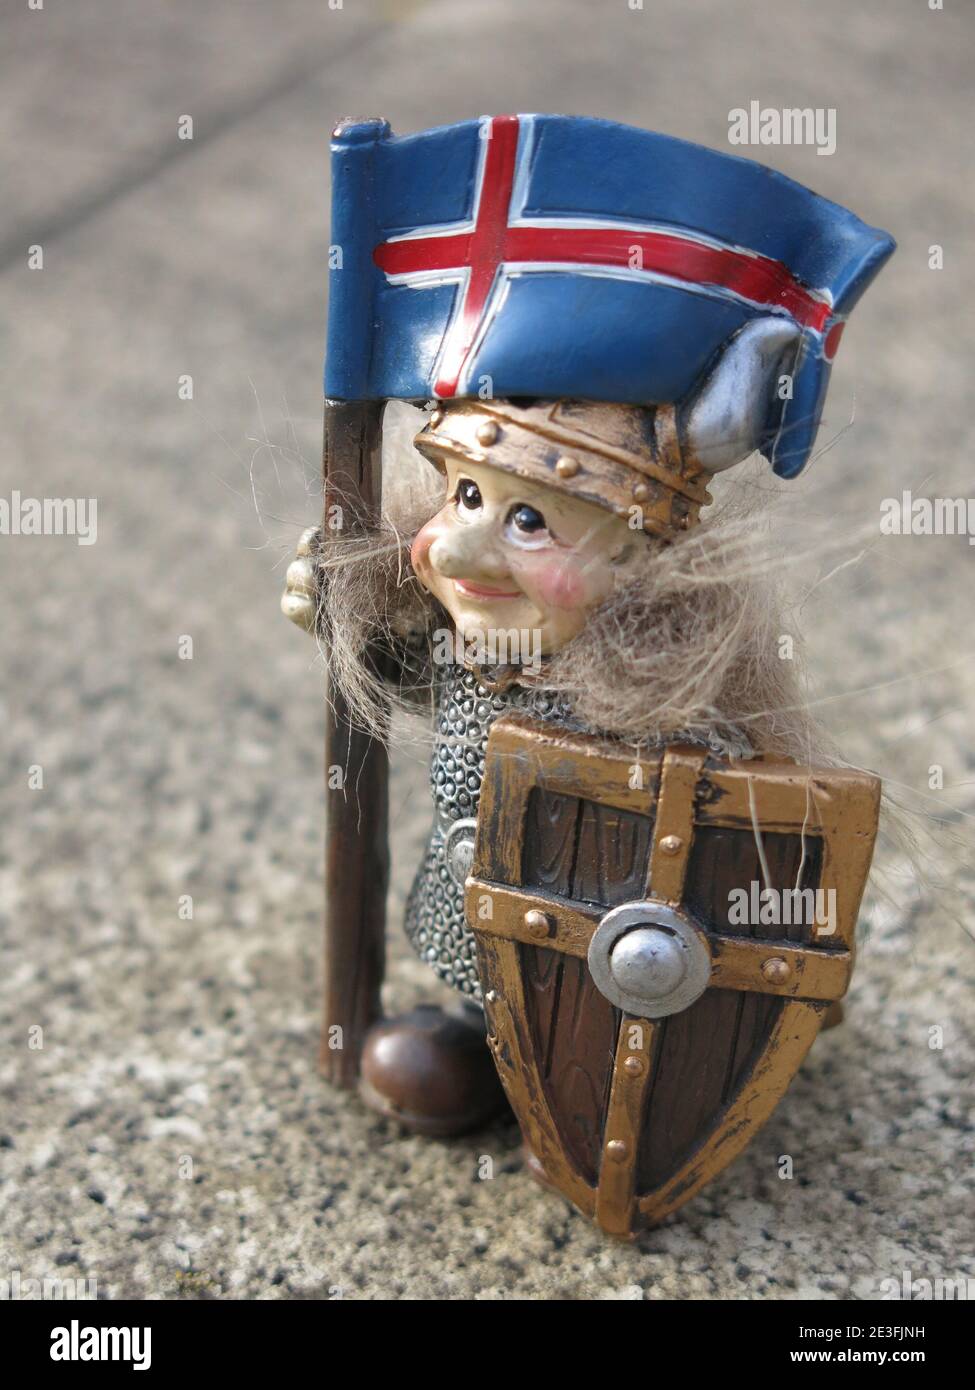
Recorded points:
171,1137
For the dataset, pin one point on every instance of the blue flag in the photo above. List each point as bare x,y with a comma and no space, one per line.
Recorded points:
567,257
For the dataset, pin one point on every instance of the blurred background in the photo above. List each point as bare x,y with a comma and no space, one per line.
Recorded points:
169,1036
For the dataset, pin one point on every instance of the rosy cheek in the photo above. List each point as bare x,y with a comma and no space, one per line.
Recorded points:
556,581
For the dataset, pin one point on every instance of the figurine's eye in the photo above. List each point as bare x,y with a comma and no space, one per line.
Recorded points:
526,520
468,495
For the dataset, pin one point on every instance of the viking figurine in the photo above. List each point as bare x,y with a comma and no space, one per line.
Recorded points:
645,867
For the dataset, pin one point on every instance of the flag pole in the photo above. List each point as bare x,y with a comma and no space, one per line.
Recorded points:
356,778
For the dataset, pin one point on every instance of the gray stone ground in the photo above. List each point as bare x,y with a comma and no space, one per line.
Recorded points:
165,1037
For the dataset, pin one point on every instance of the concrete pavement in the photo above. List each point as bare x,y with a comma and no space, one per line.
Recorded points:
170,1138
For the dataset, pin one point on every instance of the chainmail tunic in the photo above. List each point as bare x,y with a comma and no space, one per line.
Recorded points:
435,908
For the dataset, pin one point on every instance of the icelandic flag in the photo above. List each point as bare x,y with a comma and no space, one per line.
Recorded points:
567,257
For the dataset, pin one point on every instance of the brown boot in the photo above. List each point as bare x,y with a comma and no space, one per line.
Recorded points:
431,1071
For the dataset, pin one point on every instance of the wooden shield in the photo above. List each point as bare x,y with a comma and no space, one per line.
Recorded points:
625,1115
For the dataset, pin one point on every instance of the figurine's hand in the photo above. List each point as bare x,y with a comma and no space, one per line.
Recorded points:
300,599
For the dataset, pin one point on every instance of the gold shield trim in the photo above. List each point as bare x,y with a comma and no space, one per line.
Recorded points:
629,1117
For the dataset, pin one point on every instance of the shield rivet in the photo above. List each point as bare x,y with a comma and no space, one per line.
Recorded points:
650,959
649,963
671,844
641,492
617,1150
776,970
567,467
487,433
633,1066
538,923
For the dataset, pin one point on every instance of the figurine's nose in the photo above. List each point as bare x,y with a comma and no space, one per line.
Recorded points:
469,552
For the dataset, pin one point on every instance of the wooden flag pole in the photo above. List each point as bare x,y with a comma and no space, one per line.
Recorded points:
356,834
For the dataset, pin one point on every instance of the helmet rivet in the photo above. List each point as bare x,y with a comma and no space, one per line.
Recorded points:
617,1150
641,492
538,923
487,433
633,1066
776,970
671,844
567,467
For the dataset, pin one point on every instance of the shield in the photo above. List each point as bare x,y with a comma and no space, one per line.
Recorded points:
659,938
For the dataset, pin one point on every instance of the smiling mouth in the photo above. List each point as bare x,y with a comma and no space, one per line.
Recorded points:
469,590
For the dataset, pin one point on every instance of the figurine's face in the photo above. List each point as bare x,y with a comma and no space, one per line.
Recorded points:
504,553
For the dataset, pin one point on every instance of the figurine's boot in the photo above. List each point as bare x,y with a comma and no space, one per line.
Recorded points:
431,1071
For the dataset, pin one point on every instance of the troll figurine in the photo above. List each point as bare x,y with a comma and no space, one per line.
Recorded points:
644,871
